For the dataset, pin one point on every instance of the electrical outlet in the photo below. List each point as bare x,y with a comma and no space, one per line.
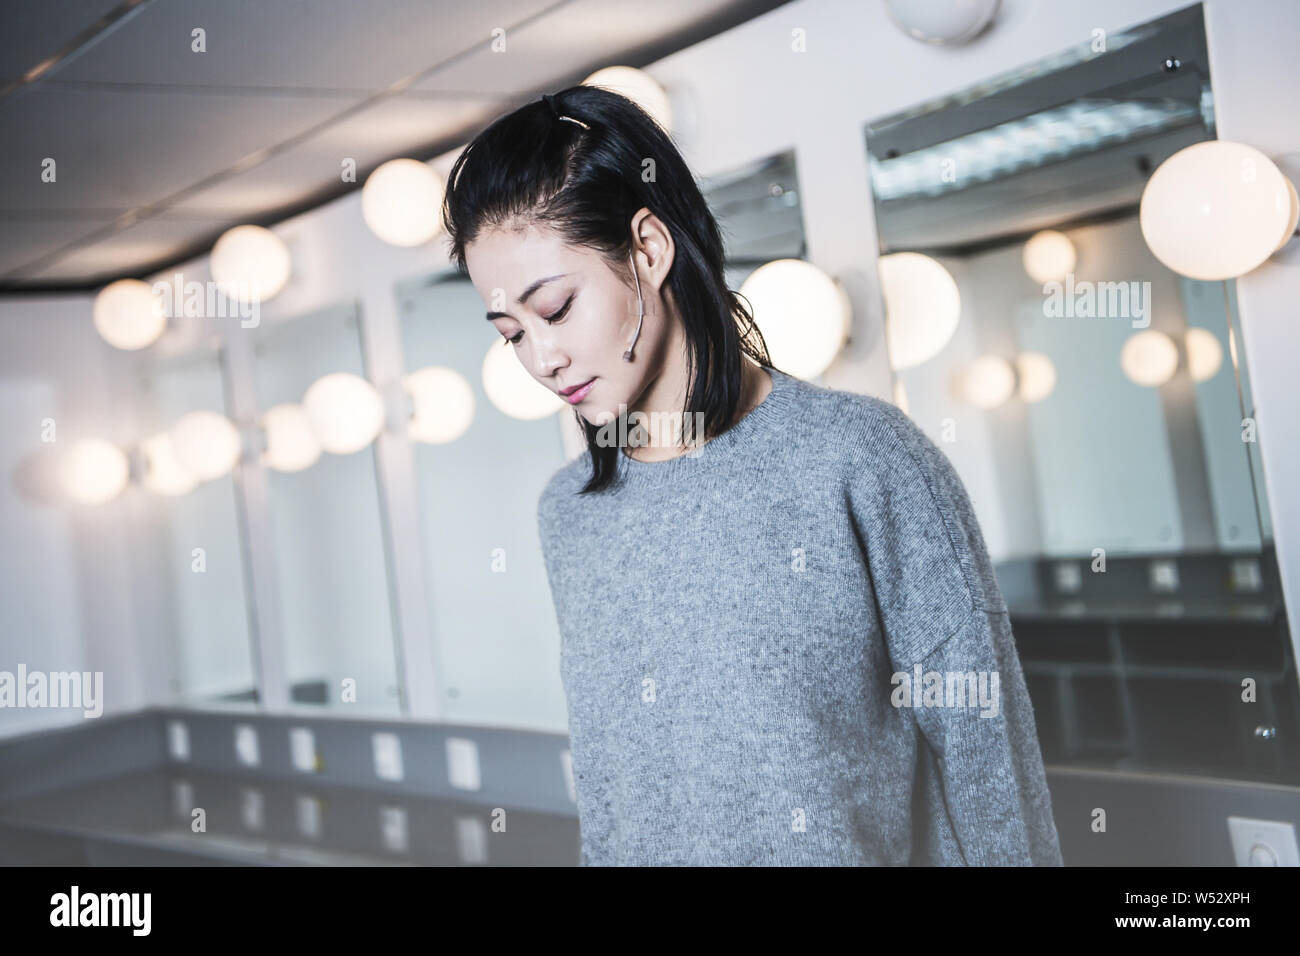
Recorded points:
395,829
471,840
178,740
387,751
252,809
182,798
1263,842
462,764
308,811
1068,577
246,745
302,749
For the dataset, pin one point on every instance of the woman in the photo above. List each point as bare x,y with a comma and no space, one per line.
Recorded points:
782,640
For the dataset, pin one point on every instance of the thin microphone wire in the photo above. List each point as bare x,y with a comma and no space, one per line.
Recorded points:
640,309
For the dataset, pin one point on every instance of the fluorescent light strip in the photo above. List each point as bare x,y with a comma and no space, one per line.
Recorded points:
1052,135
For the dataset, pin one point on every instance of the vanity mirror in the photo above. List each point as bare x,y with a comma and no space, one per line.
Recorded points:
1096,404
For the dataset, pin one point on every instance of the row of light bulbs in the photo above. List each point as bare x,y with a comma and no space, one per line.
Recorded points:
1149,359
805,313
923,304
340,413
1212,211
807,321
401,203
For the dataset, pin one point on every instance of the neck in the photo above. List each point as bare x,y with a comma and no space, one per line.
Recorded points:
667,395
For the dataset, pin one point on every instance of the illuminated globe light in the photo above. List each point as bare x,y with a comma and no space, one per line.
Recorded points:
250,264
128,315
1037,376
443,404
945,24
802,313
94,471
512,390
639,87
1216,210
1049,255
163,473
922,307
205,444
291,444
988,381
401,202
1149,358
1204,354
345,411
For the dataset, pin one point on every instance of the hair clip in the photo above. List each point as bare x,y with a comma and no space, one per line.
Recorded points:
550,101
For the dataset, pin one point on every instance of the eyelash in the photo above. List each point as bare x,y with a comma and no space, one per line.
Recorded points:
512,340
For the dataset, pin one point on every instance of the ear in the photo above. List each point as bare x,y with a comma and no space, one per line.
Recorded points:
652,241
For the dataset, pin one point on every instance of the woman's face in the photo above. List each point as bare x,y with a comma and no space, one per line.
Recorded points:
576,317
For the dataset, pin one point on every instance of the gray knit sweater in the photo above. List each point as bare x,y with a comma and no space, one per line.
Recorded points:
790,649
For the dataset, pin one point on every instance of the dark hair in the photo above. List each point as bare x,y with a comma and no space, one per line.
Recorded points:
585,182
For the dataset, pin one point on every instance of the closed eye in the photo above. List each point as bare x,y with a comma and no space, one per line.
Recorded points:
553,317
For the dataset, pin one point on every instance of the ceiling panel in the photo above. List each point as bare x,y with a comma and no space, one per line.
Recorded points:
573,40
391,127
34,31
324,44
118,150
150,240
182,145
23,241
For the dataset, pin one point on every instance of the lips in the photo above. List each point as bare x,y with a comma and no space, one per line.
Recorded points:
576,393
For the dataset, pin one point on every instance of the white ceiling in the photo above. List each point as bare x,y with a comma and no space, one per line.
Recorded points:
159,149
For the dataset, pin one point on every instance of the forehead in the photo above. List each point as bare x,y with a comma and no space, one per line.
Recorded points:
511,258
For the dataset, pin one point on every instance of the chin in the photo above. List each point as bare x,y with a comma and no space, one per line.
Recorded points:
599,416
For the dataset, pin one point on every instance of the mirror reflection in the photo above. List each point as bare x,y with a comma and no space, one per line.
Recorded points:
1095,402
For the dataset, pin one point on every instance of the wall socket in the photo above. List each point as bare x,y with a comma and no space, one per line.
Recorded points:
1263,842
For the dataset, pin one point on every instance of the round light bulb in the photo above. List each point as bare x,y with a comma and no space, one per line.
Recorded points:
802,313
1149,358
639,87
988,381
922,307
444,404
346,412
291,444
401,202
94,471
944,24
1216,210
250,264
512,390
1037,376
128,315
1204,354
163,473
206,444
1049,255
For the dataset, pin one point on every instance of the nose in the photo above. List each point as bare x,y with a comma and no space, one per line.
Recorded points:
548,357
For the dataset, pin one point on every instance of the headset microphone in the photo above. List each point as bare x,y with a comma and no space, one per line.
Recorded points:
640,308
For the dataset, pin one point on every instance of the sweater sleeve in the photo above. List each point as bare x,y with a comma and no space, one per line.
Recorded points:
947,628
590,785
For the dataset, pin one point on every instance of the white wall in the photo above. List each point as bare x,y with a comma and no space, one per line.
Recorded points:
1255,92
65,592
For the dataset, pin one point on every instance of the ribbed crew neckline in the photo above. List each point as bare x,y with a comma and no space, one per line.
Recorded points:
736,440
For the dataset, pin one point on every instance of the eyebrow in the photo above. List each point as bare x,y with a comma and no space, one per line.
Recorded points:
527,292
